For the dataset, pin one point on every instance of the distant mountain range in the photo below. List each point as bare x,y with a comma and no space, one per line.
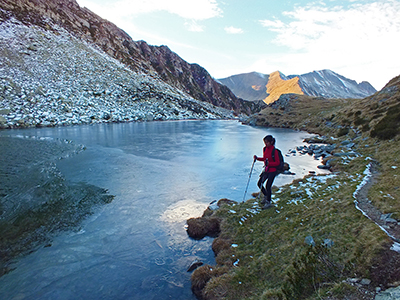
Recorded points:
268,87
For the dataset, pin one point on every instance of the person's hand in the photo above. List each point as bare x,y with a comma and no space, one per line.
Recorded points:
255,157
266,162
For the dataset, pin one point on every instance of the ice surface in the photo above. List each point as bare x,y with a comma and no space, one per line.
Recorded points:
161,173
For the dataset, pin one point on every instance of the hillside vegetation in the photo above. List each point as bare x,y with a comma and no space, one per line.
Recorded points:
317,243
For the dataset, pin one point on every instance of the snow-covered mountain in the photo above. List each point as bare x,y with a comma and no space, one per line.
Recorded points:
325,83
329,84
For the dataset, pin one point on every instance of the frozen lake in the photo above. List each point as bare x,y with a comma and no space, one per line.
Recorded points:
161,174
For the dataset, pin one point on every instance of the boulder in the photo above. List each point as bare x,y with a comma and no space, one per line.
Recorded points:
389,294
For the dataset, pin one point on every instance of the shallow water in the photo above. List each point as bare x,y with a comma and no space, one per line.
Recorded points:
161,174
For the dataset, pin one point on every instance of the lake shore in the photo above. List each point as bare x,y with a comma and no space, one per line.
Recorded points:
346,222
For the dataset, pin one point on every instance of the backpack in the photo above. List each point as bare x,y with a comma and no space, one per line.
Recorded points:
279,168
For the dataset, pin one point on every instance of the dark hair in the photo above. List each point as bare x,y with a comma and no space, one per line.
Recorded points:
270,138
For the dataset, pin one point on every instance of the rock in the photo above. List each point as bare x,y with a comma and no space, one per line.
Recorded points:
389,294
194,265
365,281
4,111
323,167
352,153
328,243
309,240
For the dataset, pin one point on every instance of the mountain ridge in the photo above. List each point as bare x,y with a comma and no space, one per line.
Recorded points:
324,83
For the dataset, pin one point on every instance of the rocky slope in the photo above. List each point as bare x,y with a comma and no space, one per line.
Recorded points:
159,62
50,78
325,83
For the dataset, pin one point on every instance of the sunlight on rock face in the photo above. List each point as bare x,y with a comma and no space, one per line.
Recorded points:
183,210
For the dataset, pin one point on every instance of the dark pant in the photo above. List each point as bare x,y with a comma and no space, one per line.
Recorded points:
269,178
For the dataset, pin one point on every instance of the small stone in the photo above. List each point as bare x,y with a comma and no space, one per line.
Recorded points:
309,240
194,265
365,281
328,243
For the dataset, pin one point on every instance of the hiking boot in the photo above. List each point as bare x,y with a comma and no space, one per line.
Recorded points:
264,200
268,205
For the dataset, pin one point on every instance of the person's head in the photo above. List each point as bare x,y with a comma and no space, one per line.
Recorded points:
269,140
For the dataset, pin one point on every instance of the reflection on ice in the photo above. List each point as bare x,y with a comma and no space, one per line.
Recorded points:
183,210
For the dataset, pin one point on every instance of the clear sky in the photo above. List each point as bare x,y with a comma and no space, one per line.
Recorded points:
359,39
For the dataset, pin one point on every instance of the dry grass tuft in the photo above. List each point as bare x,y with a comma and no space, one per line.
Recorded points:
203,281
199,279
225,201
220,244
198,228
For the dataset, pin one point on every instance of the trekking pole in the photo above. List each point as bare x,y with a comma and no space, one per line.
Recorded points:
248,181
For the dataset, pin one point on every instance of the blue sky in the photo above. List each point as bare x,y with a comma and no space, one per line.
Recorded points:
359,39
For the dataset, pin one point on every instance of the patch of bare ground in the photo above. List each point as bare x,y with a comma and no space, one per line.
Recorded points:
388,224
385,269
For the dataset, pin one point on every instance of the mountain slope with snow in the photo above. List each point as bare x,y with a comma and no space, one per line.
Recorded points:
51,78
156,61
328,84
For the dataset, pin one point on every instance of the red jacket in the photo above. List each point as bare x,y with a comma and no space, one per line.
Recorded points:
267,155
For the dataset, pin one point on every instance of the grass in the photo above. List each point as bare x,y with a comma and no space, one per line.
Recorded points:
272,257
274,261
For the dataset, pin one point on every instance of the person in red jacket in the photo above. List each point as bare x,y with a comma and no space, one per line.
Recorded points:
270,170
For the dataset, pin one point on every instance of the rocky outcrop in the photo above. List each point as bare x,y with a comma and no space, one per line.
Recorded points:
158,62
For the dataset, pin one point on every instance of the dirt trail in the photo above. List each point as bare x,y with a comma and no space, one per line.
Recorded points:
387,224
